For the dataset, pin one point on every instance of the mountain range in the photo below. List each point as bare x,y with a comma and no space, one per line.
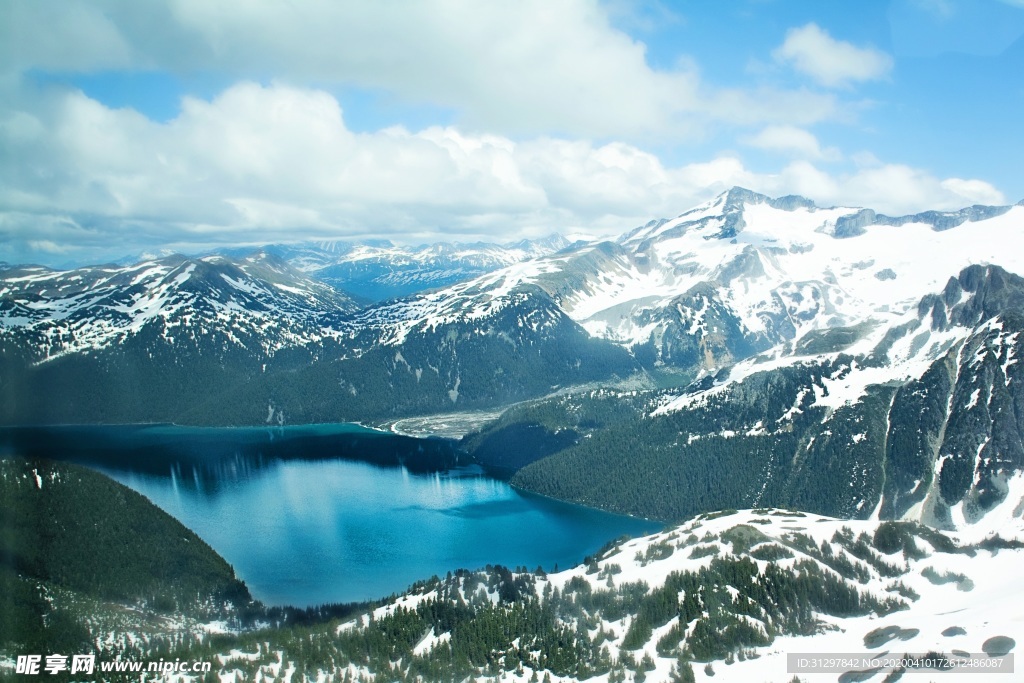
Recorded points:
376,270
750,351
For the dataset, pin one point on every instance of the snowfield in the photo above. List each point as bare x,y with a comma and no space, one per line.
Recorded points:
962,600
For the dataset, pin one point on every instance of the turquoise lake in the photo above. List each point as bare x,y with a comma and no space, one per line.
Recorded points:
305,521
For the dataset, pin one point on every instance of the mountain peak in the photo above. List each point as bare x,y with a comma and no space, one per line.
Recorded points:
737,196
724,215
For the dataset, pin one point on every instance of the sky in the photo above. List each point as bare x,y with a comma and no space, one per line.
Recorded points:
130,128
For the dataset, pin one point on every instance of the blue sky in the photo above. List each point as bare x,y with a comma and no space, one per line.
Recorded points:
191,124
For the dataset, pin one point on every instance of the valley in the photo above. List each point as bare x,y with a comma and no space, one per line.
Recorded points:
858,403
750,334
448,341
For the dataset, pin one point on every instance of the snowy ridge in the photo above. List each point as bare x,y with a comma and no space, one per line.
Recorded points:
790,262
258,298
780,268
468,302
944,593
740,275
479,255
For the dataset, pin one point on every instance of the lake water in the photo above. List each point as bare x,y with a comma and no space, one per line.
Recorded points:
304,521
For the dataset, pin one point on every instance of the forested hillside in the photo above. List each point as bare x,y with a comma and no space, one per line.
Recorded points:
68,530
924,422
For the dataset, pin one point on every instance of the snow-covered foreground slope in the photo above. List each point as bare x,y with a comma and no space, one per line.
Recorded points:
725,596
919,591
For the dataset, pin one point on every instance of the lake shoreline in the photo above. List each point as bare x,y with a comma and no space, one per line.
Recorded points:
303,527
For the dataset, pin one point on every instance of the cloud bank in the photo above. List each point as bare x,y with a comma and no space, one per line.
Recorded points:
554,116
268,163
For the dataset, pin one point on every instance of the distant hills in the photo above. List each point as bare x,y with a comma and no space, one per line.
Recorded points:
379,270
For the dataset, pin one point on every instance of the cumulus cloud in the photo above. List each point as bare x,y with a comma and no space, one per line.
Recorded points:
521,68
895,189
833,63
974,191
793,141
260,164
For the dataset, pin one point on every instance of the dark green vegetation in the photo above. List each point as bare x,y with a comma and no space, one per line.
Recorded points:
997,646
82,531
505,450
882,636
68,530
763,442
158,449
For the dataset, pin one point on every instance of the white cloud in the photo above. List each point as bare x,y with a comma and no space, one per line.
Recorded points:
974,191
793,141
49,247
832,63
521,68
894,189
261,164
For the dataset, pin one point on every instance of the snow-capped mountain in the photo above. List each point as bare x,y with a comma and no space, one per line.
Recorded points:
158,340
838,360
744,273
843,362
378,270
227,340
257,301
740,275
922,422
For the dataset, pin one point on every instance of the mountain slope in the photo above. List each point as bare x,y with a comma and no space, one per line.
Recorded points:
725,596
148,342
743,279
258,301
744,273
72,535
921,422
85,518
222,341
